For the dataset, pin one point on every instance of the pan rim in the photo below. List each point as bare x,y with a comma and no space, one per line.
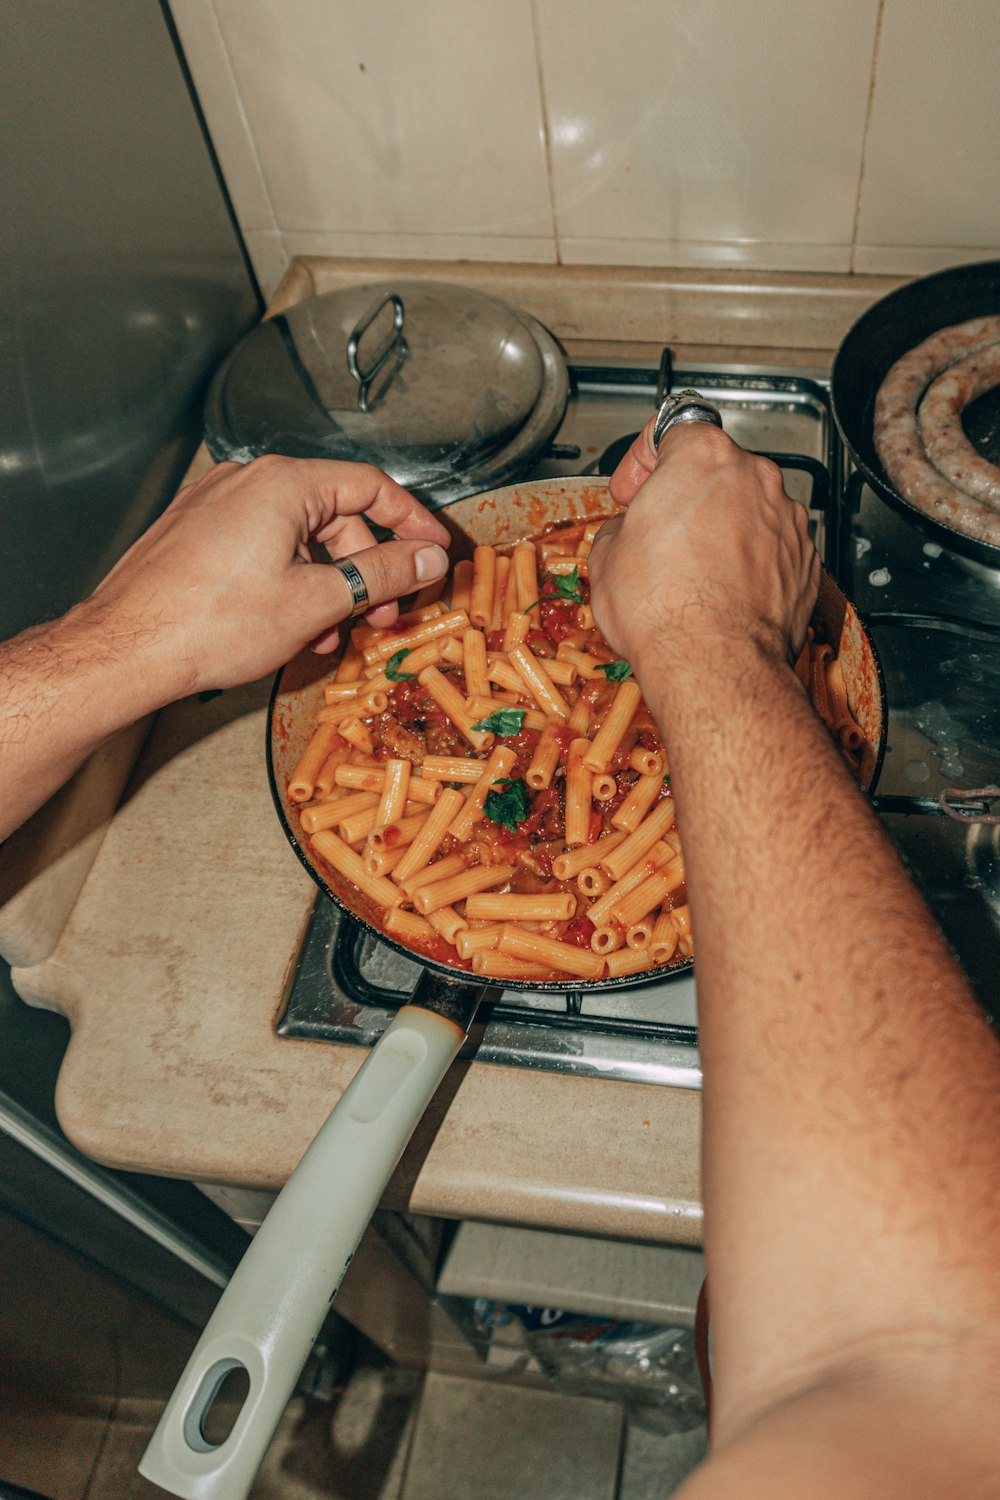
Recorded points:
664,974
446,971
865,330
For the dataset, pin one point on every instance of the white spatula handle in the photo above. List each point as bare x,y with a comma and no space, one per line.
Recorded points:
275,1304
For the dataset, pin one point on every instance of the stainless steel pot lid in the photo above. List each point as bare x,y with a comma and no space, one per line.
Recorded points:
448,390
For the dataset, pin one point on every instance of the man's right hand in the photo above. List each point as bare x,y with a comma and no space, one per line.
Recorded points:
710,548
851,1089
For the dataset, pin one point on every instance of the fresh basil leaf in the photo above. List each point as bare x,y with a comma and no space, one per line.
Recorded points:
392,667
567,587
666,781
509,806
503,721
615,671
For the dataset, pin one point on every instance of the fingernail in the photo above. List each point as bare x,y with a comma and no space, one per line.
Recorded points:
431,563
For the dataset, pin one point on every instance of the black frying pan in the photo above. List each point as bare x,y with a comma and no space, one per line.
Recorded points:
890,329
500,517
275,1304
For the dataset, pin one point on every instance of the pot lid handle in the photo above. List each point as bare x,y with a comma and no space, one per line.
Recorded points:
393,338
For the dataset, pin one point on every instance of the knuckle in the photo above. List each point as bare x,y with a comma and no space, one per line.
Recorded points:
380,575
714,439
716,446
709,441
371,475
268,463
768,472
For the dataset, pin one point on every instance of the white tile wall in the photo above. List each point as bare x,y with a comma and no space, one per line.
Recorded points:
717,132
205,50
270,256
823,136
931,185
386,129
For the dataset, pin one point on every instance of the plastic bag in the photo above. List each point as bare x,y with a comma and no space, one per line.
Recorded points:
652,1371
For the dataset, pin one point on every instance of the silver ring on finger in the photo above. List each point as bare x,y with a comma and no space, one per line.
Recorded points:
352,577
685,406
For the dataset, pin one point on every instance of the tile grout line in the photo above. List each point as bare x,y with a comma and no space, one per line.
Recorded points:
869,110
546,131
251,139
409,1436
85,1493
622,1441
109,1423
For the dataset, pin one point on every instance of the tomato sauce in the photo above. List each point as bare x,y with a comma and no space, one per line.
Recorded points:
413,725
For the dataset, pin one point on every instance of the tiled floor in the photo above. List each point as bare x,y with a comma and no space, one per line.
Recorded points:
475,1440
390,1435
48,1450
654,1464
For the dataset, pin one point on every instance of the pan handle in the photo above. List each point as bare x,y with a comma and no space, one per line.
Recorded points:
277,1299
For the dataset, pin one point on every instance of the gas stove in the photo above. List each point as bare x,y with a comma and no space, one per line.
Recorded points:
935,617
936,622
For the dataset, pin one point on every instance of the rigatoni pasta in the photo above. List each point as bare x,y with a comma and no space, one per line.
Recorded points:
822,676
487,775
467,790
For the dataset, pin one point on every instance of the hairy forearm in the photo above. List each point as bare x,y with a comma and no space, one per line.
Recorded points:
833,1020
64,689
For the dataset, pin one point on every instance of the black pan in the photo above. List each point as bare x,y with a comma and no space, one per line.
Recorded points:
502,517
275,1304
890,329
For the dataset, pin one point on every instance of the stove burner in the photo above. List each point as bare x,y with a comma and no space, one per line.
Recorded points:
982,853
615,452
980,570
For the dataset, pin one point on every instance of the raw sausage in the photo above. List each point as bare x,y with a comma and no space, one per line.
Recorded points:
897,434
940,421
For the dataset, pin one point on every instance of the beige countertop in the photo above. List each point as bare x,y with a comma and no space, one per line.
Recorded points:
171,970
171,956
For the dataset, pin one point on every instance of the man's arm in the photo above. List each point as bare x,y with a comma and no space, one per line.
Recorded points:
220,590
851,1087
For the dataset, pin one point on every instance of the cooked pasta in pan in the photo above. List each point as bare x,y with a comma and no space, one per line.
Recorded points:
487,773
